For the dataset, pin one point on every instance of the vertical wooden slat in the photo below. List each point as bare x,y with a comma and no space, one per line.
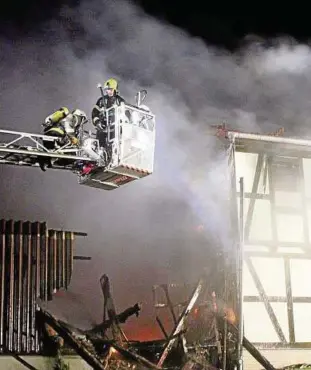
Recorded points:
27,286
35,237
69,257
40,260
24,289
18,239
44,255
2,283
42,275
72,238
54,263
51,264
63,260
15,291
67,237
59,260
10,279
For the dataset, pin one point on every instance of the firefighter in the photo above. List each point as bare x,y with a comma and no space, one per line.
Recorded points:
110,96
63,125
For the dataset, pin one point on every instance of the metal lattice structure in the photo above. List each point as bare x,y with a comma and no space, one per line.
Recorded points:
277,245
24,149
35,262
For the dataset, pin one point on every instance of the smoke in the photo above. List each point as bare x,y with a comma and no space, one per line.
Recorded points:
145,232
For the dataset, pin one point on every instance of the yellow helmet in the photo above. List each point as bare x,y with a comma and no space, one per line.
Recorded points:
111,84
64,110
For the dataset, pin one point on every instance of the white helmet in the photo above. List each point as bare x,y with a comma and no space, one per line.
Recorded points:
144,107
79,113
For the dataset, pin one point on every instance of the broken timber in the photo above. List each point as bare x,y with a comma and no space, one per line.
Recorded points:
180,322
69,338
135,357
121,318
82,351
110,309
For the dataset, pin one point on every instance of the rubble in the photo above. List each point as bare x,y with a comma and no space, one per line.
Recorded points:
178,350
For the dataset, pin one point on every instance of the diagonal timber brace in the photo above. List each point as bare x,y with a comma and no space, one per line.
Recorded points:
180,322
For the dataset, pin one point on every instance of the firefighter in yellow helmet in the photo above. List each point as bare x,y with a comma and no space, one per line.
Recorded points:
64,125
110,96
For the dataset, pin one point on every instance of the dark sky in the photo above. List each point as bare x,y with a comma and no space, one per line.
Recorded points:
146,232
227,27
215,25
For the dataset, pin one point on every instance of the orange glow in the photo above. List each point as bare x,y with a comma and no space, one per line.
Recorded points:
113,351
147,329
146,332
230,315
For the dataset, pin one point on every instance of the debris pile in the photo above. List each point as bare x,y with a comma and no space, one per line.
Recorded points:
202,337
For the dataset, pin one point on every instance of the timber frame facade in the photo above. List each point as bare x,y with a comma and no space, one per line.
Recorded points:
276,287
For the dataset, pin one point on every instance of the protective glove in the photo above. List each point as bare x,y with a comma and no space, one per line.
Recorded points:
98,126
74,141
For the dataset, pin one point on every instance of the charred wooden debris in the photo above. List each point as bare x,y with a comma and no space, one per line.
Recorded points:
35,262
202,334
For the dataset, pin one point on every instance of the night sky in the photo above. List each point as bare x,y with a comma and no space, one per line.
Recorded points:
213,24
189,59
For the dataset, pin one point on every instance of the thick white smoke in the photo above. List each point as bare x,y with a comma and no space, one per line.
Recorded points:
144,233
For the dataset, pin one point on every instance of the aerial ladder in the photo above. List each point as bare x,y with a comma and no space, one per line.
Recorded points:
129,154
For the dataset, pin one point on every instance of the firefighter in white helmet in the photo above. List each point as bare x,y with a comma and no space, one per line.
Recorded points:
64,125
